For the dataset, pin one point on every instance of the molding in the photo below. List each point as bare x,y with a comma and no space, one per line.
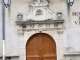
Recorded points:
71,53
39,22
12,55
43,29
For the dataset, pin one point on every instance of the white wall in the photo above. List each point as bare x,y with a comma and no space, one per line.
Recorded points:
71,30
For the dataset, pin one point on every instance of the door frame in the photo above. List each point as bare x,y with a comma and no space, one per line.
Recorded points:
23,39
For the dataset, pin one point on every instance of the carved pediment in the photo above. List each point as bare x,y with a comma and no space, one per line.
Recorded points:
39,10
40,14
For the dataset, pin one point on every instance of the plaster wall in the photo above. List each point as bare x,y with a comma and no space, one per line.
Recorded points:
69,40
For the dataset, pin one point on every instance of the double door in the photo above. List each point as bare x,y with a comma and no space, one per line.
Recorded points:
41,47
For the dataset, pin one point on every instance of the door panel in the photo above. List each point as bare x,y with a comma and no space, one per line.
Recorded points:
49,57
33,57
41,47
33,45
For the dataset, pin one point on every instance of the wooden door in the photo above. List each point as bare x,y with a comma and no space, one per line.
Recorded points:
41,47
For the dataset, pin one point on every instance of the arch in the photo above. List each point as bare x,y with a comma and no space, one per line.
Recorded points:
41,46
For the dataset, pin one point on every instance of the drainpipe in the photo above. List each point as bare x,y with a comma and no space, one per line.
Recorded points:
3,28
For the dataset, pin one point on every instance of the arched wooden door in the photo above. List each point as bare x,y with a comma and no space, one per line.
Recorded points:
40,47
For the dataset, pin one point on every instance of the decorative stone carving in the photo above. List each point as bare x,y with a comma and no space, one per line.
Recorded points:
19,17
39,12
31,26
39,16
39,3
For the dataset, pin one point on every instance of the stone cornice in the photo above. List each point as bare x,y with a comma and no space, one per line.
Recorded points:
39,22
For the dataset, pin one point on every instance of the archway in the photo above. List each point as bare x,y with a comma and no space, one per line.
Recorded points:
41,46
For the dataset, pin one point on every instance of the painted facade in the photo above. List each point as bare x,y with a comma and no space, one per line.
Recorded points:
65,31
